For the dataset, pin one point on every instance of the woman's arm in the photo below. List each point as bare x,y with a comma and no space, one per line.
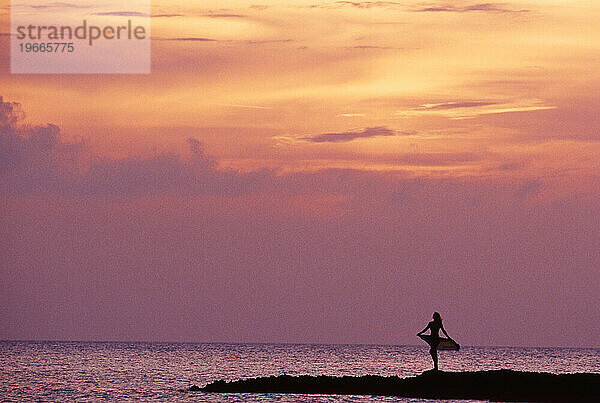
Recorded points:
444,331
423,331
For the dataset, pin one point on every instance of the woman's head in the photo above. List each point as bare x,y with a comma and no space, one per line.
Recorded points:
437,317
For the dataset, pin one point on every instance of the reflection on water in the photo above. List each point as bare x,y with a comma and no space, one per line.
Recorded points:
59,371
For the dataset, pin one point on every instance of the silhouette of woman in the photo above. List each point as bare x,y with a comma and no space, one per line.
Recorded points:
435,325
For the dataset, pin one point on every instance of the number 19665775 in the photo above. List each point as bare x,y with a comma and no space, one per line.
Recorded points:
47,47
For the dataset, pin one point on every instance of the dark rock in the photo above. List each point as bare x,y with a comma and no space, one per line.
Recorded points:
499,385
194,388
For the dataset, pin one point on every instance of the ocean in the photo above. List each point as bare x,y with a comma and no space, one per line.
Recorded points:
116,371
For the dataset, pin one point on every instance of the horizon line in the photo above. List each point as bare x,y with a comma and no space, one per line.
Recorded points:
278,343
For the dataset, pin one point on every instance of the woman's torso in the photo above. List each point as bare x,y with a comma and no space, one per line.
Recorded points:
435,328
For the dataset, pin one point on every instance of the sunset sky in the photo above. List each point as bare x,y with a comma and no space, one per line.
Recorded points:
305,171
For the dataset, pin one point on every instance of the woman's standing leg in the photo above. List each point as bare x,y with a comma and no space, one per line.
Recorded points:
433,352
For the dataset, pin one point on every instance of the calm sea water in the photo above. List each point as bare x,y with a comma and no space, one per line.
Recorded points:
67,371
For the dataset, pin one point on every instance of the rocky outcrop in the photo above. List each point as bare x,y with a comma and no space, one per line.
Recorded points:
499,385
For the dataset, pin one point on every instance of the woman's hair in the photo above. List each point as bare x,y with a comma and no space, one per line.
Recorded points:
437,317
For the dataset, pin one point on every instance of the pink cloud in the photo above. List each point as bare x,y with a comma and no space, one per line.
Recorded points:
174,248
